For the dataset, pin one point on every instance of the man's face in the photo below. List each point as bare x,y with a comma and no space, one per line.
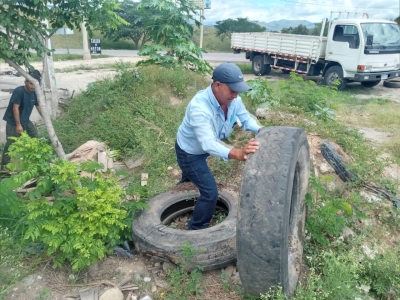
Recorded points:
223,93
29,86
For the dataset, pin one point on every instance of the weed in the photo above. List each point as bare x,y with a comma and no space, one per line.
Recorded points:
226,281
246,68
298,95
382,274
327,215
11,269
184,285
219,216
260,93
45,294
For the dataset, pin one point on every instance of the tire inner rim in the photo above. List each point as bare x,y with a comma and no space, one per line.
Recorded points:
296,233
186,206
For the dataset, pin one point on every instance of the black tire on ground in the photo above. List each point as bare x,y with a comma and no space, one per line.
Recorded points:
271,220
216,246
334,74
393,83
259,68
286,71
370,84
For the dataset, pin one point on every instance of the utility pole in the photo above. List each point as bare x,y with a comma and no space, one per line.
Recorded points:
86,53
201,26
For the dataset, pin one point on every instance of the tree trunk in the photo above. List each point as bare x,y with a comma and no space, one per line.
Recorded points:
42,103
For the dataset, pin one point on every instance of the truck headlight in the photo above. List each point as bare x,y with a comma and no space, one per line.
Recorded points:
364,68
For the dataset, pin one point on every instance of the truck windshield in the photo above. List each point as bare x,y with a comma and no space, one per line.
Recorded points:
382,36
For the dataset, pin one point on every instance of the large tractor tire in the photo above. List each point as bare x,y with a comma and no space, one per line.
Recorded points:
271,219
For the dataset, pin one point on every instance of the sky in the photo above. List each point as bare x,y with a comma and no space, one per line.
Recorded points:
310,10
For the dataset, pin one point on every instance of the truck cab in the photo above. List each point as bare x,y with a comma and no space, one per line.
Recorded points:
365,50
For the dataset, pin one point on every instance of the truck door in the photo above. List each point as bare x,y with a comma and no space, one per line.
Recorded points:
344,47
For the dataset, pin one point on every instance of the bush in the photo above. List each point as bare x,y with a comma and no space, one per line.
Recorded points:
78,218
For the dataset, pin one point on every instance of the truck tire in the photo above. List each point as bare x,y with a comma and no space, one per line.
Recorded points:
391,83
285,71
216,245
370,84
259,68
271,219
334,74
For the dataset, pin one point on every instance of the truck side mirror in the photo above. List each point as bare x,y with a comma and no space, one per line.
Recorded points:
370,39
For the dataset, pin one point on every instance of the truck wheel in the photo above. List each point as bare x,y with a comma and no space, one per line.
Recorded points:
215,246
259,68
334,74
285,71
370,84
271,219
391,83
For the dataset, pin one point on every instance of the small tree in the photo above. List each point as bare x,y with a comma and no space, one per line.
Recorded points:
27,25
300,29
226,27
136,29
317,29
170,28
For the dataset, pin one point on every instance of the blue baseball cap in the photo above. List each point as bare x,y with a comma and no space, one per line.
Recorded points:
232,76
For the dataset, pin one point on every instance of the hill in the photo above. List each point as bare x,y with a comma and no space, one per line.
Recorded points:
278,25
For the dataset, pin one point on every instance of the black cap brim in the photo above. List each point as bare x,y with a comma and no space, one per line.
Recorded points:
239,87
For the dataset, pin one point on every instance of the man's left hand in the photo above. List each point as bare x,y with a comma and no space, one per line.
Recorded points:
242,154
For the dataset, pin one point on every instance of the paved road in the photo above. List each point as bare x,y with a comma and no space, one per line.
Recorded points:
211,57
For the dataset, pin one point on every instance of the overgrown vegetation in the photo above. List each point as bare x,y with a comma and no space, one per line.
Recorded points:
183,284
138,113
133,114
78,218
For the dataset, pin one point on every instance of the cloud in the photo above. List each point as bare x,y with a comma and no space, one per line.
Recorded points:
310,10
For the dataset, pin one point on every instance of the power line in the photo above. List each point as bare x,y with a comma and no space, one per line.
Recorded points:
317,4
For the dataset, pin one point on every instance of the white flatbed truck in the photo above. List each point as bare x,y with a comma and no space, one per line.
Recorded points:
355,50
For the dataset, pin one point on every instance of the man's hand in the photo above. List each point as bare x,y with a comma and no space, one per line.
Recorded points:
241,154
19,128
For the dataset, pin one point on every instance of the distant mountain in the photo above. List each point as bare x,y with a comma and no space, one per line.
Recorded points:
278,25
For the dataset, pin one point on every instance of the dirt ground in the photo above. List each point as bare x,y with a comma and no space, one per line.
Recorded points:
47,283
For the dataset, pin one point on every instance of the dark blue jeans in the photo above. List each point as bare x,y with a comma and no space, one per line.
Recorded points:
195,169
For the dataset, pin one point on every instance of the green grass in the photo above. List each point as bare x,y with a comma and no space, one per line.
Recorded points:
86,67
75,41
65,57
378,113
133,114
211,43
245,67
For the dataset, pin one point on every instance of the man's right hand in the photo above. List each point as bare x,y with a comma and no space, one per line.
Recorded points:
19,128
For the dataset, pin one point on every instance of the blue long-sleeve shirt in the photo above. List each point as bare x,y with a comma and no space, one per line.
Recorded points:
204,124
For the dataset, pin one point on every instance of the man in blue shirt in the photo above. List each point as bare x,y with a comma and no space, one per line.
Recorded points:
18,112
210,117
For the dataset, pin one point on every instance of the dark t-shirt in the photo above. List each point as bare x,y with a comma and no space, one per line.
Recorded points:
26,103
